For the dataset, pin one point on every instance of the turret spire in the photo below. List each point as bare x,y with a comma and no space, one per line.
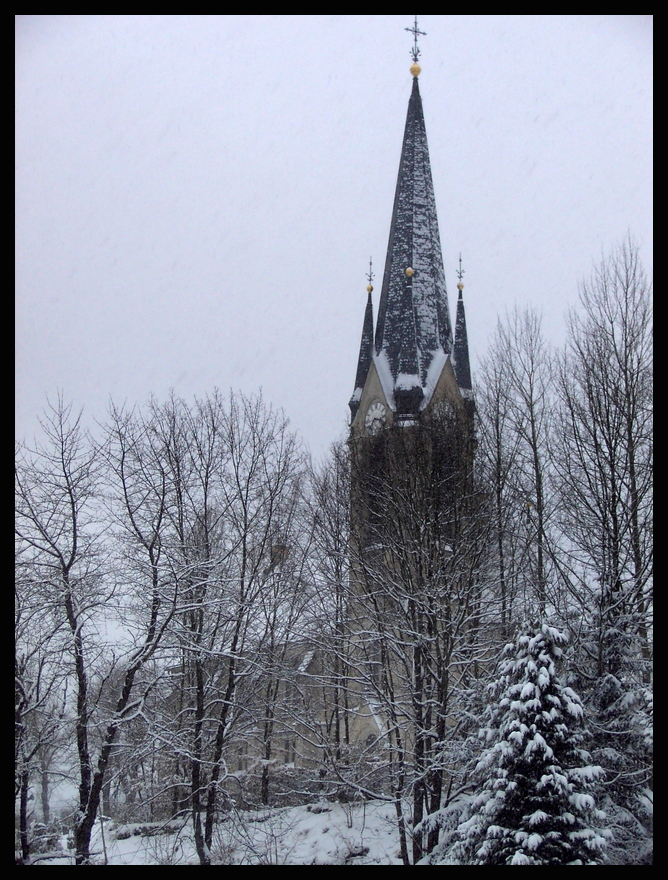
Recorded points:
366,349
461,349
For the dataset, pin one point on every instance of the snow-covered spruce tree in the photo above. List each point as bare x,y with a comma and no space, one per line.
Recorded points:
534,806
620,712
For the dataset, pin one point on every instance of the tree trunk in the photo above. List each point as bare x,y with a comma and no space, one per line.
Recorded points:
44,792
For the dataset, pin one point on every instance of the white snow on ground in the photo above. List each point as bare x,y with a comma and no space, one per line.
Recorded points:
320,834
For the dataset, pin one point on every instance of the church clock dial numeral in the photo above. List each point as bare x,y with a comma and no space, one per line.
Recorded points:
375,417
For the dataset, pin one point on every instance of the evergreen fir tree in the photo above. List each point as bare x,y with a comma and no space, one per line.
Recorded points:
535,805
621,741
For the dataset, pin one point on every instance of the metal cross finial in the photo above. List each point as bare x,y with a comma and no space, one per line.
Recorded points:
415,31
460,272
370,273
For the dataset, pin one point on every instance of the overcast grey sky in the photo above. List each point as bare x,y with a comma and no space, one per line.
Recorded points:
198,196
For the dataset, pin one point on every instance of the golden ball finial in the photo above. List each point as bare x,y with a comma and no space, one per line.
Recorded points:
369,288
410,272
460,286
415,69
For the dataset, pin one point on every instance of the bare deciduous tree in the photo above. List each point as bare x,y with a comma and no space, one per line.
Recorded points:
40,724
523,362
61,528
604,463
224,475
498,454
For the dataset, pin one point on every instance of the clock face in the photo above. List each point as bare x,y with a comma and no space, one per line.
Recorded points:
375,417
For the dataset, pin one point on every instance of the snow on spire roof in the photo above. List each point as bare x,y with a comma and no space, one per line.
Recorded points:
413,318
460,359
365,355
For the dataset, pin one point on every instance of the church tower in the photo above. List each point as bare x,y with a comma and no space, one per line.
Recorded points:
411,361
416,529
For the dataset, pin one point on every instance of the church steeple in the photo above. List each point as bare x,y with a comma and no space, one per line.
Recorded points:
413,326
412,361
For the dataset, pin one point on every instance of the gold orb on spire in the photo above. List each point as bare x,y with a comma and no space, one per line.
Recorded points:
410,272
369,288
460,286
415,69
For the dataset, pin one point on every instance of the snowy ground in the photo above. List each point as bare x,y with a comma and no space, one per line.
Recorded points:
320,834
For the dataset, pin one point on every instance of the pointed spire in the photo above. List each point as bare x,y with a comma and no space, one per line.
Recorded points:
461,349
413,319
366,350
